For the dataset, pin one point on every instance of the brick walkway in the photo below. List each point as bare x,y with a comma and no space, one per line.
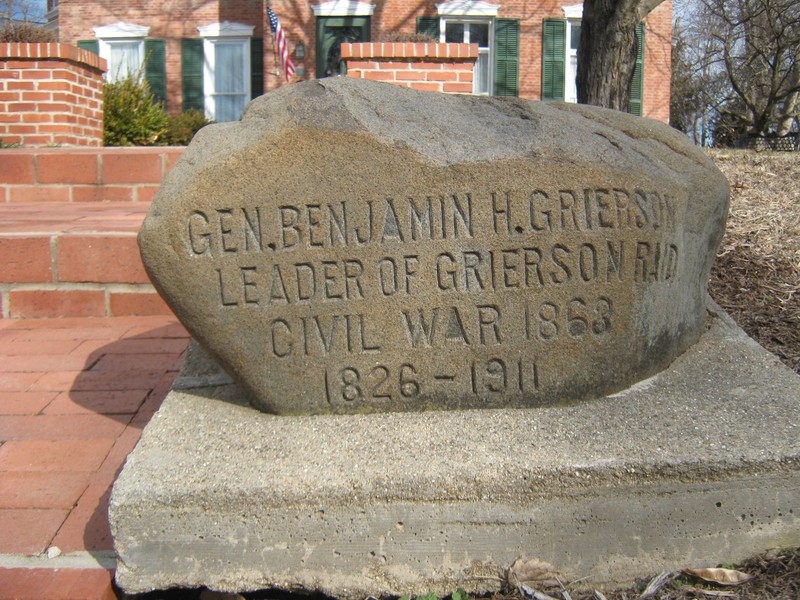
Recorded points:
75,394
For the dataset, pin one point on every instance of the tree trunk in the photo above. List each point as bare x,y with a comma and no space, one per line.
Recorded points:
791,106
607,53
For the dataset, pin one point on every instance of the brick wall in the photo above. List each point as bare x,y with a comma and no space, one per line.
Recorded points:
428,67
50,94
658,62
84,175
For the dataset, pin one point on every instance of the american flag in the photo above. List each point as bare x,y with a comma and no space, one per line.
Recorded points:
279,42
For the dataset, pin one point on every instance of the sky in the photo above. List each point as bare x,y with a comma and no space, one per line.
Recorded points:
32,10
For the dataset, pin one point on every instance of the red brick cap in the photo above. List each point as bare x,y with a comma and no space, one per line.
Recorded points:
409,50
52,51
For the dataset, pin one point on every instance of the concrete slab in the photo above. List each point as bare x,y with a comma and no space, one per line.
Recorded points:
695,466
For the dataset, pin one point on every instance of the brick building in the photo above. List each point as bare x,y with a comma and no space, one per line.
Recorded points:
216,55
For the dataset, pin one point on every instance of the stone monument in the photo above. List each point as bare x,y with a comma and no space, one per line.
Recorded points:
350,247
475,330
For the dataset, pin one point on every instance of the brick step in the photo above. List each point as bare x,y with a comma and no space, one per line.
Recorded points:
73,260
84,174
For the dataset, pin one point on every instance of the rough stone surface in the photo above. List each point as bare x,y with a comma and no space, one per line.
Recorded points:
695,466
351,246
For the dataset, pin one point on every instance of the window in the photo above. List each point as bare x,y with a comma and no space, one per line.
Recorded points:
338,22
122,45
332,32
121,54
573,38
226,69
476,22
474,32
470,22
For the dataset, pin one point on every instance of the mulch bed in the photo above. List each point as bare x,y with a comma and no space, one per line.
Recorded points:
756,277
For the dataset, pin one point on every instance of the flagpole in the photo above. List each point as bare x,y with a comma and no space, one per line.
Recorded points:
274,50
280,44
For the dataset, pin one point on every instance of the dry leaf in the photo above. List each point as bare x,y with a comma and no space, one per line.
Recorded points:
527,575
720,576
534,572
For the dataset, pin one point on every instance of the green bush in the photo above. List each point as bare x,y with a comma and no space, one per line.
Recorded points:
182,127
132,116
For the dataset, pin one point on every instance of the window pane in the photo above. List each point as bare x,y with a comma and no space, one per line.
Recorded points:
479,34
481,73
229,68
124,60
570,85
575,34
454,33
228,108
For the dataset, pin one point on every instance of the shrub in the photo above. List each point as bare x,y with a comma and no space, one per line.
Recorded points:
397,37
132,116
182,127
26,32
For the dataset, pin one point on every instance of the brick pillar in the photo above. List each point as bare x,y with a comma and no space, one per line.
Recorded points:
430,67
50,94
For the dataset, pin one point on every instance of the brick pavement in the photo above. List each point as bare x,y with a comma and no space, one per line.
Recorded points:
75,394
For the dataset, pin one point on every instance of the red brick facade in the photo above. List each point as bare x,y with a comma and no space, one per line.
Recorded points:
180,18
50,94
443,68
658,62
171,21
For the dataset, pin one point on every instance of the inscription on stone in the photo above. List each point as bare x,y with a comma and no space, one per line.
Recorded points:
350,266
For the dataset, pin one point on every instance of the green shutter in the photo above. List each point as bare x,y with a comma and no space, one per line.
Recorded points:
155,68
554,57
90,45
637,85
192,69
506,52
428,26
256,67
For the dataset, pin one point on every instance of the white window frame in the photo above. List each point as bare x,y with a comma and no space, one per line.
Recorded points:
486,54
228,33
117,34
573,14
343,8
467,12
468,8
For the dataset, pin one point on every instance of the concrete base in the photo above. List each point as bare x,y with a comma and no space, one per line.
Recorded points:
695,466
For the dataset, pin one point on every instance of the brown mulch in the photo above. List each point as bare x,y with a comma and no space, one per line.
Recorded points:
756,277
773,576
